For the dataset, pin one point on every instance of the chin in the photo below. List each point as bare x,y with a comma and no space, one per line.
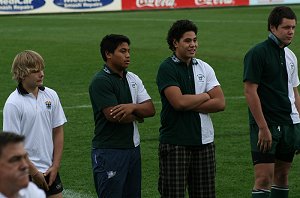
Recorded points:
24,183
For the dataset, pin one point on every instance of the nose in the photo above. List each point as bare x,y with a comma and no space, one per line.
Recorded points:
24,165
42,73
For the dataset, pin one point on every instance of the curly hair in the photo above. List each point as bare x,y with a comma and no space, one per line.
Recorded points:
178,29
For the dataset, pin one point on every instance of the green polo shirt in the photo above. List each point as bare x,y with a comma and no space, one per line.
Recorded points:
109,89
177,127
265,65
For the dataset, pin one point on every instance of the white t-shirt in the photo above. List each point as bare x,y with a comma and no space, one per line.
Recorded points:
35,118
31,191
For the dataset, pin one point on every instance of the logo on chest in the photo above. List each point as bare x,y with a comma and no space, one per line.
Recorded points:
291,67
48,104
200,77
133,85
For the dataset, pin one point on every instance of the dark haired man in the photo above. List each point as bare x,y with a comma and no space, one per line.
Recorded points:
14,169
270,86
119,101
189,91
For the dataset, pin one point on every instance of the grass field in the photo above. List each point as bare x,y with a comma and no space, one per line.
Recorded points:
69,44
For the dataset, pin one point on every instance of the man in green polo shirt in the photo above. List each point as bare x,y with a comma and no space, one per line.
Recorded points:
270,85
119,101
189,90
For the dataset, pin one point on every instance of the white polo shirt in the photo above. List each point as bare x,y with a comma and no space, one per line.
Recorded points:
31,191
35,118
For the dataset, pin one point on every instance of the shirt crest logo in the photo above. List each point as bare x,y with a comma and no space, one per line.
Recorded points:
48,104
292,66
200,77
133,85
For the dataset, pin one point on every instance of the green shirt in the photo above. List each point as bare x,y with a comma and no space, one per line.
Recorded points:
109,89
265,65
177,127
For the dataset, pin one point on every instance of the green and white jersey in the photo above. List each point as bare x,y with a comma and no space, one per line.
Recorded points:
34,118
108,89
186,128
275,70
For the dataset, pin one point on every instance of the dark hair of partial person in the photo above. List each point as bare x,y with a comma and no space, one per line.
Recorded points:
9,138
278,13
178,29
110,43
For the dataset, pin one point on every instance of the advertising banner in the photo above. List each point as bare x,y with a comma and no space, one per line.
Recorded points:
272,2
173,4
57,6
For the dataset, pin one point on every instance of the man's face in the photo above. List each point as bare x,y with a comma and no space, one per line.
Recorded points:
13,167
285,31
186,47
120,59
34,79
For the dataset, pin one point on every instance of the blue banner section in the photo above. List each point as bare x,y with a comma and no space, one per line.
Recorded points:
82,4
20,5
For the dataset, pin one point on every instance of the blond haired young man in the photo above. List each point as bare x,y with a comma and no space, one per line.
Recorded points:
35,111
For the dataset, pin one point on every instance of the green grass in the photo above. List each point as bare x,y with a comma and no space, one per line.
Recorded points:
69,44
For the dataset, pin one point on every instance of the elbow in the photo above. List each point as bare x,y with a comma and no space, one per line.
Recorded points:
152,112
221,106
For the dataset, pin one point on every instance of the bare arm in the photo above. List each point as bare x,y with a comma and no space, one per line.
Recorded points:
264,136
216,102
58,144
126,113
185,102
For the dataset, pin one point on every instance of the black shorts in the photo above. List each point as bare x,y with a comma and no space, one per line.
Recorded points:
56,186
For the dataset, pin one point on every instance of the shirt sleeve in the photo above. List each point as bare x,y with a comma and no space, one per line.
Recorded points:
11,118
58,116
212,80
142,92
253,67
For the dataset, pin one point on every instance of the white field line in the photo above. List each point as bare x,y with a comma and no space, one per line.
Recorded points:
139,19
69,193
154,102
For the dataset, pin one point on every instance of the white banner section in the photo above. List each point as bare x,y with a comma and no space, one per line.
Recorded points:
57,6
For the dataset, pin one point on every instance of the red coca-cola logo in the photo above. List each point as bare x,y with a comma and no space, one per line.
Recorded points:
155,3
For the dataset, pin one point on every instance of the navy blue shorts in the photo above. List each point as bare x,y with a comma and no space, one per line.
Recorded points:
117,172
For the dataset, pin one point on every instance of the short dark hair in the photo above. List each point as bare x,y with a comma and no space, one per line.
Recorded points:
278,13
110,43
178,29
9,138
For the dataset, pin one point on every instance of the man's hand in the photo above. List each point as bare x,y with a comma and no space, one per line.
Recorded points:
121,111
264,139
39,179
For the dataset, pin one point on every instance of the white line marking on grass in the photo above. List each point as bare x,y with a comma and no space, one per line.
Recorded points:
154,102
69,193
78,107
139,19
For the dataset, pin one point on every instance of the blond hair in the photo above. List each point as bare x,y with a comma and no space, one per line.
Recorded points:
25,63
